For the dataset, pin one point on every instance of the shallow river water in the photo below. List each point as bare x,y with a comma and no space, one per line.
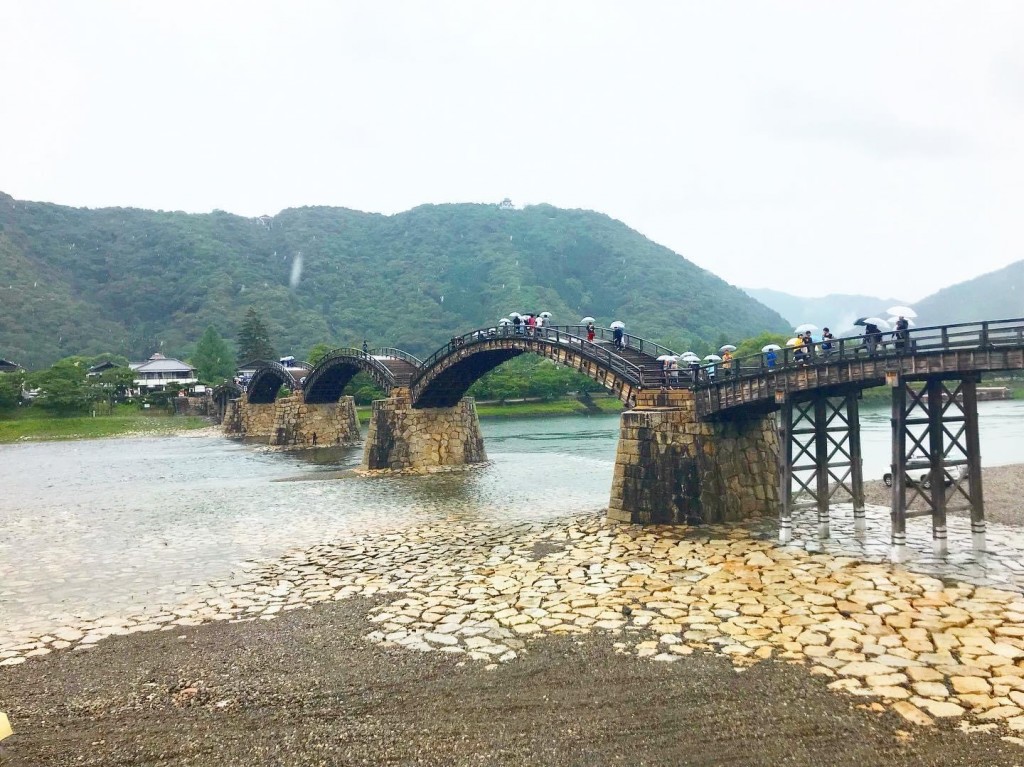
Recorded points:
101,526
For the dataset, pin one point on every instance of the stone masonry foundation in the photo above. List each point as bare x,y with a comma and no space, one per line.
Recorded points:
403,438
671,468
290,422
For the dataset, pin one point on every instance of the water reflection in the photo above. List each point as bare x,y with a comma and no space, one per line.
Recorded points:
97,526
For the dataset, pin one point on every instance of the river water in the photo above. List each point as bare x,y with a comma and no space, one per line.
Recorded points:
96,527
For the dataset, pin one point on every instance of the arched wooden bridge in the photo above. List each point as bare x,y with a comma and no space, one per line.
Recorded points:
933,373
443,378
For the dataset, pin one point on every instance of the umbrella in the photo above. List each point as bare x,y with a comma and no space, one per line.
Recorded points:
902,311
882,324
587,320
515,314
910,323
712,358
805,327
504,321
728,348
795,342
546,315
666,357
771,348
617,324
688,356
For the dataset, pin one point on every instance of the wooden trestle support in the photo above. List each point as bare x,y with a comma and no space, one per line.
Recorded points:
936,458
820,456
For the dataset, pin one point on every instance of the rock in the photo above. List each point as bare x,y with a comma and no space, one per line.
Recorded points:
912,713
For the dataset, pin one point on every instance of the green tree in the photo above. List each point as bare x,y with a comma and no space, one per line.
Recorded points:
64,387
254,339
111,386
318,352
749,346
213,358
10,389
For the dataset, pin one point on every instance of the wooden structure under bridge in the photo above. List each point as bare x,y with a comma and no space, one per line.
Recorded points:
933,375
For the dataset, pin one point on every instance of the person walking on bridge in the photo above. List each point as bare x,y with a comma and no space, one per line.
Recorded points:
590,332
617,334
366,348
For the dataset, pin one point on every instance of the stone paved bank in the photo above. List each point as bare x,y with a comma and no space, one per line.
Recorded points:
900,639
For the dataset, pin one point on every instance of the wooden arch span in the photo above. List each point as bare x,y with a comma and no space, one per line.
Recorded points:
446,376
267,381
387,367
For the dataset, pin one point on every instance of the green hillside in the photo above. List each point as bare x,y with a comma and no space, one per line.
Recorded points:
127,281
997,295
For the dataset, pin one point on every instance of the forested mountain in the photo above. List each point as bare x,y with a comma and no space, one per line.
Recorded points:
131,282
997,295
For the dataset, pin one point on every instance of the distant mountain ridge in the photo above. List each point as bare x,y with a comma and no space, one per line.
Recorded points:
998,295
993,296
131,282
836,311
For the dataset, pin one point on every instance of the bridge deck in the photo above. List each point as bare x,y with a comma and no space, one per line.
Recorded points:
946,351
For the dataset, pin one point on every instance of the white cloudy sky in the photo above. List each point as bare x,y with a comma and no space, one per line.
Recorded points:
810,147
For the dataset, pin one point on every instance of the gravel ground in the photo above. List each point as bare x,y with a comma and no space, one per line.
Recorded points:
306,689
1001,486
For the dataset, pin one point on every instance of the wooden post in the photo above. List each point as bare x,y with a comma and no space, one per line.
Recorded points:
856,462
937,473
821,464
973,451
899,472
786,472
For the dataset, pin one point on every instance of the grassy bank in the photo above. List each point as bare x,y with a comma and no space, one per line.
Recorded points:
28,424
567,406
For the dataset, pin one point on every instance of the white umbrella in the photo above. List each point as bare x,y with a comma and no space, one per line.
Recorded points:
771,348
587,320
794,342
689,356
712,358
902,311
504,321
805,327
665,357
515,314
728,348
617,324
546,315
910,323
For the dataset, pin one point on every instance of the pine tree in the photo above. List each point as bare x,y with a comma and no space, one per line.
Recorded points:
213,358
254,339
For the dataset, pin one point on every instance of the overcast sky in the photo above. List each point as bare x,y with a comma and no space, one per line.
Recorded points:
869,147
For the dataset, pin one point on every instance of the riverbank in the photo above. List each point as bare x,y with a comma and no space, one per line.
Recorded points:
35,427
573,642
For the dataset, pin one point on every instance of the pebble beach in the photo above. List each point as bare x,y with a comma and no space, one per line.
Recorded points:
928,658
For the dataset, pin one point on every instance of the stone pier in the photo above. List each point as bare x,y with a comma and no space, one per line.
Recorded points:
671,468
290,422
402,437
232,420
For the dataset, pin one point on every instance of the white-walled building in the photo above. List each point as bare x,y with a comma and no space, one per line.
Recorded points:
158,371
